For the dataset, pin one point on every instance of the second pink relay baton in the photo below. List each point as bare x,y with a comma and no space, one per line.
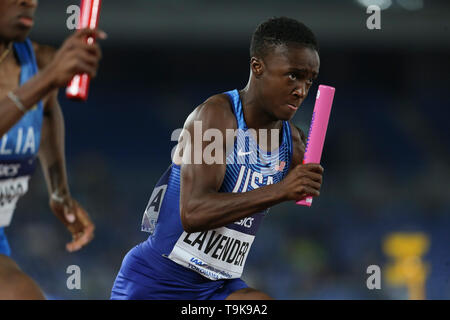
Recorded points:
318,130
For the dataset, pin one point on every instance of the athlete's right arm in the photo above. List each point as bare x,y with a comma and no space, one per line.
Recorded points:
74,57
202,207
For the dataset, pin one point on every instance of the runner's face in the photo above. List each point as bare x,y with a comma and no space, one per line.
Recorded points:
287,73
16,19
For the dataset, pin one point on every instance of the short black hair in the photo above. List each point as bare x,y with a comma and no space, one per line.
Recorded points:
279,31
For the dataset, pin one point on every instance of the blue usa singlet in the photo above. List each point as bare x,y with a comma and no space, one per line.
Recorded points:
19,147
219,253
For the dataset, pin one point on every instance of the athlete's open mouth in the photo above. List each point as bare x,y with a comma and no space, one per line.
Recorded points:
26,20
293,107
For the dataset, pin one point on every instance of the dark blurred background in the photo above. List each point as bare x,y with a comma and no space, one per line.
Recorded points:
386,155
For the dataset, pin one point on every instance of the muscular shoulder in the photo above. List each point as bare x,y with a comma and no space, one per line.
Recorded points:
299,134
44,54
215,112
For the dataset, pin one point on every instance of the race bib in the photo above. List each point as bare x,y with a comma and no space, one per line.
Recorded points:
10,192
216,254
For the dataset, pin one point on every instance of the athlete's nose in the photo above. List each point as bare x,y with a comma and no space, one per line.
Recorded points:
29,3
300,91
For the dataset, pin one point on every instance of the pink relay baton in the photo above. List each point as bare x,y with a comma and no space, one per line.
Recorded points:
318,130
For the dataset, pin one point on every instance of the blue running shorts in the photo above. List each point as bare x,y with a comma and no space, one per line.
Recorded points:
151,276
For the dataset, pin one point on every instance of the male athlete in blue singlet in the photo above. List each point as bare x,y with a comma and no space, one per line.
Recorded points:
31,126
203,215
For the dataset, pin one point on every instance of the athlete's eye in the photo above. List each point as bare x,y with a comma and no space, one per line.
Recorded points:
310,81
292,76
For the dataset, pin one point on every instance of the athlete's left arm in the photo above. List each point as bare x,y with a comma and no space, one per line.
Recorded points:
53,163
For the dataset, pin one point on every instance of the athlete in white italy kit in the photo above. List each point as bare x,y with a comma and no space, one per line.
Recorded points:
202,218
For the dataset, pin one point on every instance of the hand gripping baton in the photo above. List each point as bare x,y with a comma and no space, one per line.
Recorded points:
79,85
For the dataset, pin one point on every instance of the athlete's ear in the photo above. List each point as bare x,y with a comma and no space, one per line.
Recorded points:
257,66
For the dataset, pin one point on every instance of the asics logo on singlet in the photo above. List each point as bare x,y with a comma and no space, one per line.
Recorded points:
246,222
9,170
241,153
